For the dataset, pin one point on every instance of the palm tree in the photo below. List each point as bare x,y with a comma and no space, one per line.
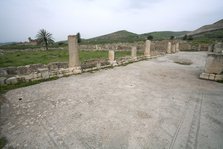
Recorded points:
44,37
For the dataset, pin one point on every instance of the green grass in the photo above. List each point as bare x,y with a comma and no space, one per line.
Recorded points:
3,142
21,58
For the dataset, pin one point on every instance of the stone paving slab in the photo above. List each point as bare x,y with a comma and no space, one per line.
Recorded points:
148,104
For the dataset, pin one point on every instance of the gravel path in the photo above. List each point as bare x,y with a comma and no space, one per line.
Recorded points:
148,104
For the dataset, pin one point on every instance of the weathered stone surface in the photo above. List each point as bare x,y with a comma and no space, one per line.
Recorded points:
53,66
214,63
169,47
147,48
204,76
211,77
23,70
173,48
2,80
134,53
111,55
35,67
3,72
218,77
218,47
12,70
73,51
44,73
12,80
177,47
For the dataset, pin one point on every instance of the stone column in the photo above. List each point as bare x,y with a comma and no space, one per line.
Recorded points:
173,48
74,60
134,53
169,48
199,47
147,48
177,47
111,56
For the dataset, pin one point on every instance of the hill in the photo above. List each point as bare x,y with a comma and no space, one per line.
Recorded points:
208,28
126,36
164,34
119,36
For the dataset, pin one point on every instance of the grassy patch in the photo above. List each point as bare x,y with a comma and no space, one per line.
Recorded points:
3,142
21,58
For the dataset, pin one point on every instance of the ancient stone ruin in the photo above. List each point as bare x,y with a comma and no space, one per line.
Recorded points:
214,63
13,75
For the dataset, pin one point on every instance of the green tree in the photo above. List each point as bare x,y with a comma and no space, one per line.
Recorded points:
150,37
45,38
189,37
185,37
171,37
78,37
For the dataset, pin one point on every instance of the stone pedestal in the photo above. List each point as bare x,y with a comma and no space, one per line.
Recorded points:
173,48
168,48
74,60
111,57
134,53
177,47
147,48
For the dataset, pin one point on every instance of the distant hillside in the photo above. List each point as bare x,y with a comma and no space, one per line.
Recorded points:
164,34
126,36
119,36
208,28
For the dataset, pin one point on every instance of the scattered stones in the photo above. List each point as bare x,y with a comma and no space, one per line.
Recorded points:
12,80
2,80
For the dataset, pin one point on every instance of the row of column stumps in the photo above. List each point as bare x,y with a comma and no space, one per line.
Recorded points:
74,60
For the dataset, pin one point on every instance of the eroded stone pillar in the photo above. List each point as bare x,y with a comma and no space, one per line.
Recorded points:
173,48
74,60
134,53
169,47
111,56
147,48
177,47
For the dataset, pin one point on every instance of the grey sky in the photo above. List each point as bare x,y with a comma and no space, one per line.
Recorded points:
20,19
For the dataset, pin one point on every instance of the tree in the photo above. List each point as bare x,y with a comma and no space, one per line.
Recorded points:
150,37
78,37
44,38
185,37
171,37
189,37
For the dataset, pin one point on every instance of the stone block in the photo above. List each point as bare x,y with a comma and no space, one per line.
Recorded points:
36,67
2,80
44,73
211,77
23,70
218,77
3,72
204,76
214,63
12,80
12,70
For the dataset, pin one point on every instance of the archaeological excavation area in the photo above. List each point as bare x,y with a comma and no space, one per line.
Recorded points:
155,103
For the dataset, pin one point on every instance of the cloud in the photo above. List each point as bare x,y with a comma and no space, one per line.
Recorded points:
21,19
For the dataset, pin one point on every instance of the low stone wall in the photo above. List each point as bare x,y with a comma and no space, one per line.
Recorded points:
214,64
13,75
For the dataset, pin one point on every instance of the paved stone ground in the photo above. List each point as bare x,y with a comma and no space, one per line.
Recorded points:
149,104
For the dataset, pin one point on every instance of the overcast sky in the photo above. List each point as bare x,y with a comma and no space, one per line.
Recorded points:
20,19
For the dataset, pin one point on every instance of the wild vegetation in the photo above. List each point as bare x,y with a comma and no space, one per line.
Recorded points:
20,58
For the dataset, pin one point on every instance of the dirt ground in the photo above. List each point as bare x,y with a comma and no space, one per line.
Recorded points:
152,104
